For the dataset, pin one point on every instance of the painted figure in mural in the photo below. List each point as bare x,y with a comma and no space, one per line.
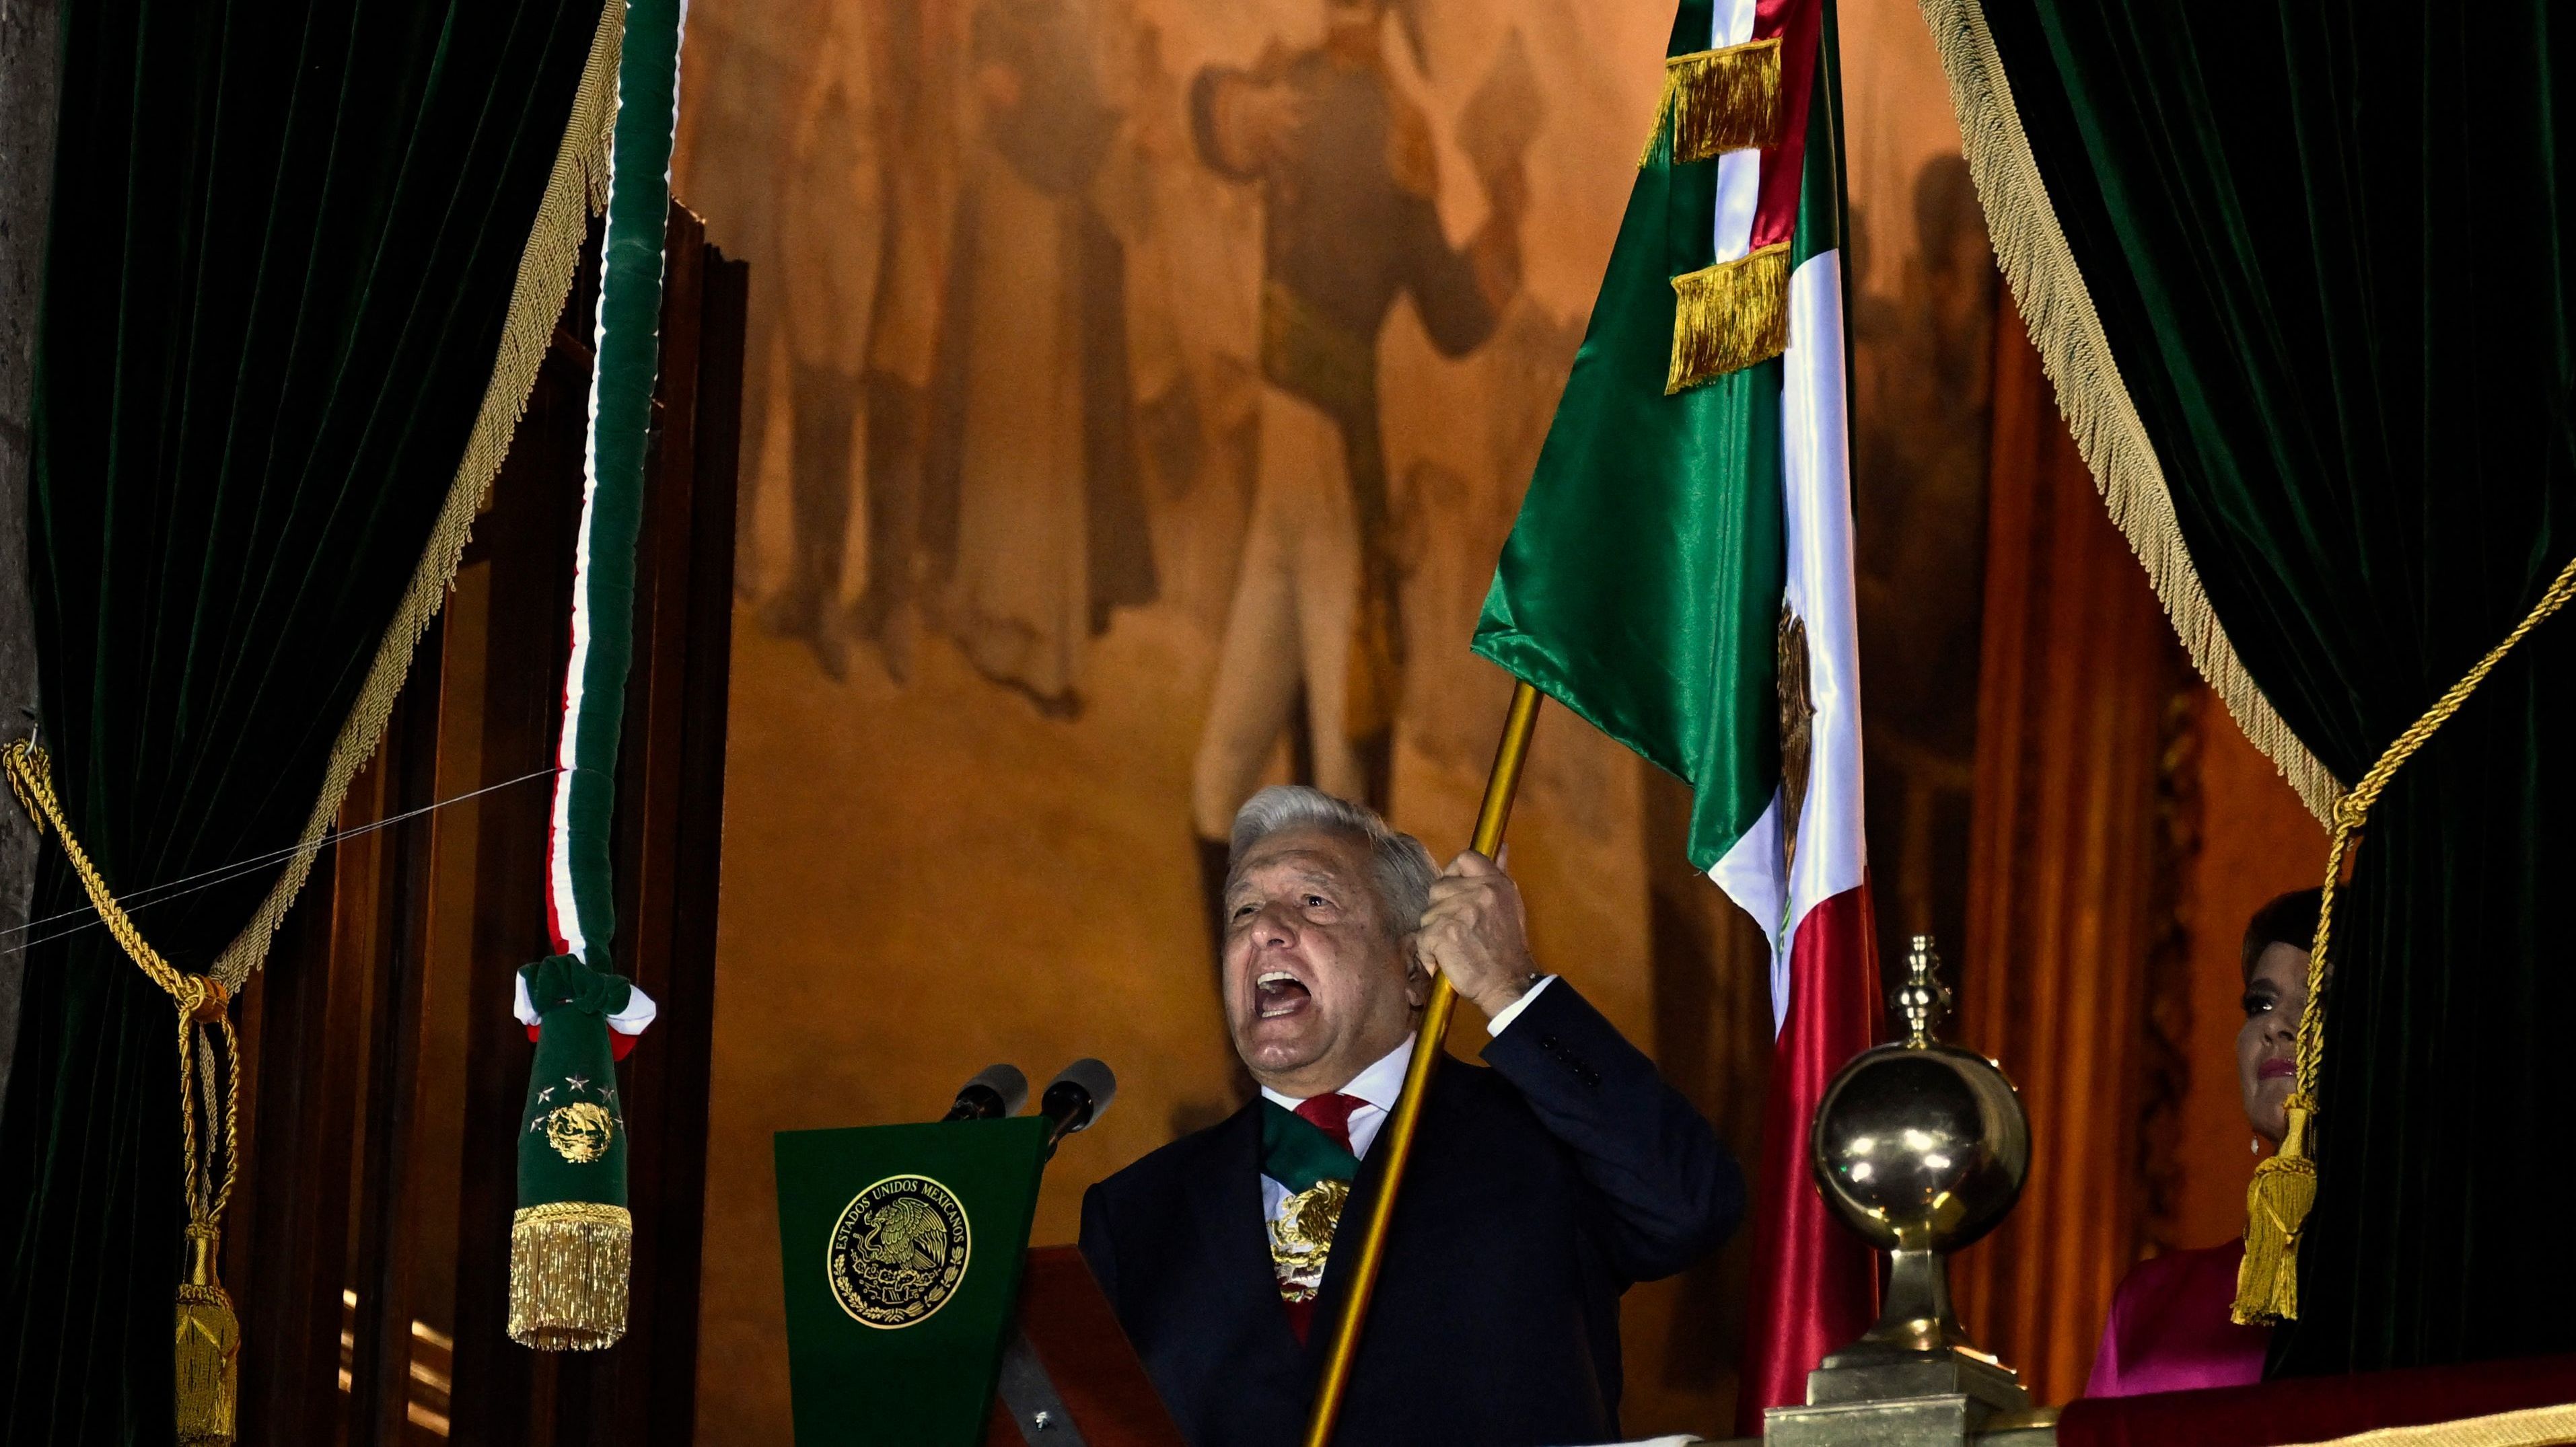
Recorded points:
918,116
1032,514
865,199
1546,1181
1923,374
832,215
1350,184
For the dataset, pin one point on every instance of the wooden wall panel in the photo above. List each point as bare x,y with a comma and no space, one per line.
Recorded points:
2254,840
2068,875
384,1069
1712,1039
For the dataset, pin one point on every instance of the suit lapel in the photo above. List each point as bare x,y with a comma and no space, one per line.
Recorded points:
1234,1239
1346,1237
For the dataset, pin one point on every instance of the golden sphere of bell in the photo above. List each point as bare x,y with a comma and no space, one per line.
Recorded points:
1920,1147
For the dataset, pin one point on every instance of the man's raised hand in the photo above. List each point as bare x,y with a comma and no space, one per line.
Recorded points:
1477,933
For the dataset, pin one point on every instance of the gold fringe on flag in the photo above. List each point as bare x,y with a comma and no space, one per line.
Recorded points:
568,1270
1729,316
1717,101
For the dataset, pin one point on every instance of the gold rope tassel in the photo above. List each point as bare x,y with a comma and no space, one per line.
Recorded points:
1716,101
209,1336
2285,1187
568,1270
207,1345
2276,1207
209,1353
1729,316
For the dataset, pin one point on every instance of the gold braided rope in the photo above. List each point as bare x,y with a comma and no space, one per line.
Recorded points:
2285,1187
209,1338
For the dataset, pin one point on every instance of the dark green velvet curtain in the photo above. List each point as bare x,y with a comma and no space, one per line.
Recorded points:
2329,249
284,239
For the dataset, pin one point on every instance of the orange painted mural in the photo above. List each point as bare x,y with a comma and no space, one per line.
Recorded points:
1137,394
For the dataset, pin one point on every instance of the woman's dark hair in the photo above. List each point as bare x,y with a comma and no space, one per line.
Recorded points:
2289,920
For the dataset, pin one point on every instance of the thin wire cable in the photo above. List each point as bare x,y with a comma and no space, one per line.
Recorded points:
205,879
149,890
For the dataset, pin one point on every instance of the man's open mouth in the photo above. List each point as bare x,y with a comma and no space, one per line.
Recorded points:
1278,993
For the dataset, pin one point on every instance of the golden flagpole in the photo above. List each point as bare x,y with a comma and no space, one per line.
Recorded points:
1428,1042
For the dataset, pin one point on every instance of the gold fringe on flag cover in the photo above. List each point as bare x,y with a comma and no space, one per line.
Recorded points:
569,1262
1716,101
2530,1427
2285,1187
1729,316
207,1343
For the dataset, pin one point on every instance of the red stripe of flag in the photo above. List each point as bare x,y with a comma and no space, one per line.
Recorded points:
1815,1283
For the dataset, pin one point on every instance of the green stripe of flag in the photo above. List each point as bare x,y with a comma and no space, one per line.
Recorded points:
1641,587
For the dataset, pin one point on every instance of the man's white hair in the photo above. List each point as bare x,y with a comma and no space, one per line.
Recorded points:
1400,868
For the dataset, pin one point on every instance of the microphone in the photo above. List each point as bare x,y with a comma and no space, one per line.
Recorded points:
995,1092
1076,1098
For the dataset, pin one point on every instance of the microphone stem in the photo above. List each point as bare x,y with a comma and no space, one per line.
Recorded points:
1065,1125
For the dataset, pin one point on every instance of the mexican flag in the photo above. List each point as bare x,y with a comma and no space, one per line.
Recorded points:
1681,576
572,1237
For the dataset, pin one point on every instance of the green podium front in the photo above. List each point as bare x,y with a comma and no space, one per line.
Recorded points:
901,1247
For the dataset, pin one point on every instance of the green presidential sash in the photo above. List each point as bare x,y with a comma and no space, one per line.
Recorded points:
1318,1173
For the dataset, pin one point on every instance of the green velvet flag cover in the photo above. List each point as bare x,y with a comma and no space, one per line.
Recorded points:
902,1247
571,1236
572,1239
2332,278
1297,1154
572,1147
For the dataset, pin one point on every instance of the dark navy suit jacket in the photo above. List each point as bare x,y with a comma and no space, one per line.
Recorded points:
1539,1189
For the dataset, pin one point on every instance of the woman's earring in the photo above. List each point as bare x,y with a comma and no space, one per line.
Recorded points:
2255,1144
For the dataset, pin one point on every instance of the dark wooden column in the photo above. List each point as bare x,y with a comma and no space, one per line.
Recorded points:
384,1069
669,826
2069,872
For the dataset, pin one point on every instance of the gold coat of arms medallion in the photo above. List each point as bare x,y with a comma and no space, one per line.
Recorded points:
1301,1239
898,1252
580,1132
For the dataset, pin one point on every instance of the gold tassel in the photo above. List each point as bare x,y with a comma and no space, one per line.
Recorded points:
2285,1187
2276,1211
1729,316
1716,101
568,1266
209,1349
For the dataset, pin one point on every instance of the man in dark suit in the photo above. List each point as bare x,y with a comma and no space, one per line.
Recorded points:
1538,1190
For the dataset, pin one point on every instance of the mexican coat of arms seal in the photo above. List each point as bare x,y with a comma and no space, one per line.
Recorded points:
898,1252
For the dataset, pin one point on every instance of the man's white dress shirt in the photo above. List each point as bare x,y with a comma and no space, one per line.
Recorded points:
1377,1087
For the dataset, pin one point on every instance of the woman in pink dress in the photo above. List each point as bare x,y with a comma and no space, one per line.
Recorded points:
2169,1329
